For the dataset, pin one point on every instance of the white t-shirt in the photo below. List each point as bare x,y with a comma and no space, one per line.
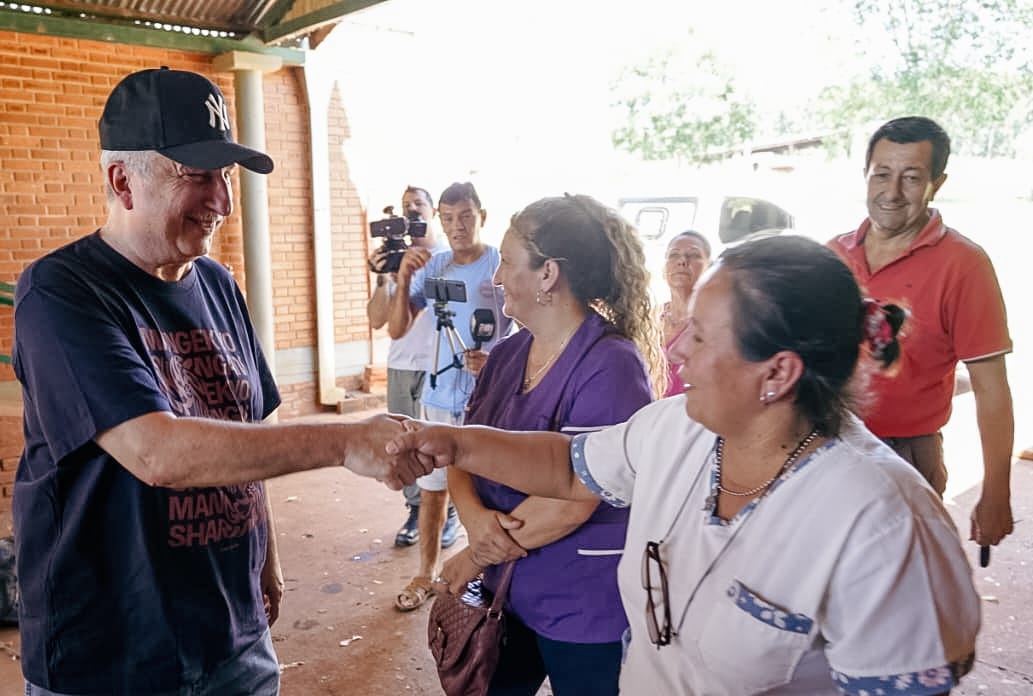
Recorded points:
847,577
413,351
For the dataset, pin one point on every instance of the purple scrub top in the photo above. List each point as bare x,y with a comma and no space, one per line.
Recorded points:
567,590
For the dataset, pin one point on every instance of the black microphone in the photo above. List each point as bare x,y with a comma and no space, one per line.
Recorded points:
482,327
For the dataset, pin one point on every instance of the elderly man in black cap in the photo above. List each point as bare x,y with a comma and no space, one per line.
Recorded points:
145,550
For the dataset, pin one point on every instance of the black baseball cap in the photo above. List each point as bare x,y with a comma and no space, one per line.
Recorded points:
180,114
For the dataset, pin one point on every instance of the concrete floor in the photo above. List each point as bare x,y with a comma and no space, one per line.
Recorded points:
339,634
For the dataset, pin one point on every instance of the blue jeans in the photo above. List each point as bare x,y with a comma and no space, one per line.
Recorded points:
574,669
254,672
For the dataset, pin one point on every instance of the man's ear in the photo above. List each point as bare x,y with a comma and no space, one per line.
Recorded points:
484,216
118,181
935,185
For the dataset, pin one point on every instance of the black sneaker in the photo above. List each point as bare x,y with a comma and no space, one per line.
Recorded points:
409,534
450,532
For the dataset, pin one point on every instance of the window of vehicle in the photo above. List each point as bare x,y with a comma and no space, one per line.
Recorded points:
651,222
657,219
742,217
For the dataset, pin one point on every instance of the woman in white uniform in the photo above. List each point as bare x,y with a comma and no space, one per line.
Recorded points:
775,546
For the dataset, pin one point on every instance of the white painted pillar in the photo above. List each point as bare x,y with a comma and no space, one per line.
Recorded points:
248,69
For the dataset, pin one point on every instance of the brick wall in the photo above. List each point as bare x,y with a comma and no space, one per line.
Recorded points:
52,91
10,450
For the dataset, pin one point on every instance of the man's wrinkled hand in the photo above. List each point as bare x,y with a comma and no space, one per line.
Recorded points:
367,452
272,590
991,519
413,259
376,260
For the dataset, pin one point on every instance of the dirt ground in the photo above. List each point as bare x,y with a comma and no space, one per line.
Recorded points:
339,632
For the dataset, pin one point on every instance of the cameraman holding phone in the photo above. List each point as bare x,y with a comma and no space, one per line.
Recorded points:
473,263
407,357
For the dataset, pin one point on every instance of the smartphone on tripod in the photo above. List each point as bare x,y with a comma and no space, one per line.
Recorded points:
442,291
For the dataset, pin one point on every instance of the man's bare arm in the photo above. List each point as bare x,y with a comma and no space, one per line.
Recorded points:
163,450
272,573
378,307
401,311
992,516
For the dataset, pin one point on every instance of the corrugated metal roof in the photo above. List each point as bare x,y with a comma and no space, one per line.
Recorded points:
242,17
287,27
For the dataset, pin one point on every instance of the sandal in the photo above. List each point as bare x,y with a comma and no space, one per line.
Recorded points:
418,591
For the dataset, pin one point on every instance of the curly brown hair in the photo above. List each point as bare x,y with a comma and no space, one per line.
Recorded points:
601,256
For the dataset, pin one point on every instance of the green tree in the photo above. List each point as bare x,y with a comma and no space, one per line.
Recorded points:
964,63
681,105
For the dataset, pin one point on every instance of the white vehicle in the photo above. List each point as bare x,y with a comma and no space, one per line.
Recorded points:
723,220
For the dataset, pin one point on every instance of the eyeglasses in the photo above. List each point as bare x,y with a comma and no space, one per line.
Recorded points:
660,632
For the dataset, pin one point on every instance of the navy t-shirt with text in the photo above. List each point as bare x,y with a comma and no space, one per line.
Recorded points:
126,587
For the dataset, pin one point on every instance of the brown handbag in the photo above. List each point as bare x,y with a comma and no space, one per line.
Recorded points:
465,636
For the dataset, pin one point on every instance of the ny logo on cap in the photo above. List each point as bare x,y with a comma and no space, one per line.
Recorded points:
217,110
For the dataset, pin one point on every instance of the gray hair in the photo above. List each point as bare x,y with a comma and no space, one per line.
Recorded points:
137,161
692,234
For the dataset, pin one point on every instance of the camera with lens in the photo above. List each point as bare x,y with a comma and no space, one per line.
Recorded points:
394,229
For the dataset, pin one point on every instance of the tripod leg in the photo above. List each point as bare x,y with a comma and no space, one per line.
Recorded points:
434,372
458,338
453,337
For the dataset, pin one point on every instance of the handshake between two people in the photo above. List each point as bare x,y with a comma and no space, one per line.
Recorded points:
396,450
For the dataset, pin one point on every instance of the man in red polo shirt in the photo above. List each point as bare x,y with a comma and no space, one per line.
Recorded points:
904,254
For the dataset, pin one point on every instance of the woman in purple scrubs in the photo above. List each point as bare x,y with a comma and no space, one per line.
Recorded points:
573,274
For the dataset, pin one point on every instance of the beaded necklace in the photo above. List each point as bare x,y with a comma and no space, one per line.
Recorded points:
793,456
